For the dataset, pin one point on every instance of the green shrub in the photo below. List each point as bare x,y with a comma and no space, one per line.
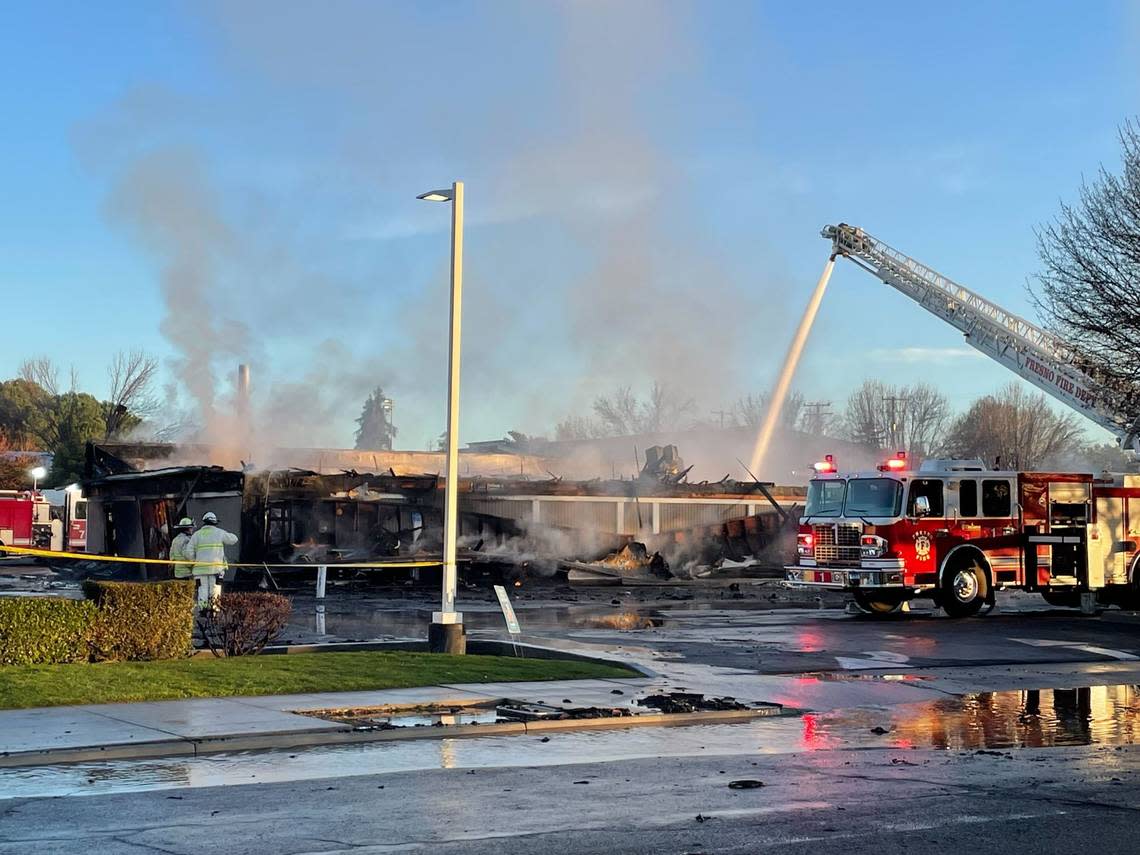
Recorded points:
242,624
42,630
142,620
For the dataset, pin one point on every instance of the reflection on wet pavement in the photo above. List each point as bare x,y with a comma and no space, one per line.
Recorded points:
1035,718
985,721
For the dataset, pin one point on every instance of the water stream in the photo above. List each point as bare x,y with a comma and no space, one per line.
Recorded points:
791,361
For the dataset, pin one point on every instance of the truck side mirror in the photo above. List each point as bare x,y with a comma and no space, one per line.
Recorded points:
922,506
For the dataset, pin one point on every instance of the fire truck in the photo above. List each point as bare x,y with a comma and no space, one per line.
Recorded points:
954,530
33,519
25,519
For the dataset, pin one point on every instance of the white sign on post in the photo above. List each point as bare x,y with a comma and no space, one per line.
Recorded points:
508,611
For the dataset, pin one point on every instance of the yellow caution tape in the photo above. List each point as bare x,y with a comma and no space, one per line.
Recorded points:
87,556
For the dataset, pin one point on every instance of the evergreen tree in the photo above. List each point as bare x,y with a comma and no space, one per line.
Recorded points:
374,428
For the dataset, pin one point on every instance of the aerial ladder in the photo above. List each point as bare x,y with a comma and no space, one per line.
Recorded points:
1032,353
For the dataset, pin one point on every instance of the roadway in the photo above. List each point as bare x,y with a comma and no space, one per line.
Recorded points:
1007,733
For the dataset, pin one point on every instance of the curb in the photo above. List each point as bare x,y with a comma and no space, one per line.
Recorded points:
185,747
475,646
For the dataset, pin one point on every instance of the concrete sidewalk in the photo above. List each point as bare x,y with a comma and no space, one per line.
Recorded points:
43,735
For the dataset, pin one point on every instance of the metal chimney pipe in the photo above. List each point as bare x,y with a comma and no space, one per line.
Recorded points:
243,386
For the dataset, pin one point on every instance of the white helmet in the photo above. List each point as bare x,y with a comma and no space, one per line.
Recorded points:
209,518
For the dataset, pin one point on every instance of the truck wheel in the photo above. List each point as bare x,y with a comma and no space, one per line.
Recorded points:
964,588
877,605
1131,598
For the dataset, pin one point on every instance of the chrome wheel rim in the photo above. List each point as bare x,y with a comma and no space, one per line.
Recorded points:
965,585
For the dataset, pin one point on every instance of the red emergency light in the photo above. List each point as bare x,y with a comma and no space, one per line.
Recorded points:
826,465
894,464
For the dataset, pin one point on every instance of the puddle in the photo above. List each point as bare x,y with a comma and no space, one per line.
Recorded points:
980,721
770,735
859,677
1035,718
345,617
619,621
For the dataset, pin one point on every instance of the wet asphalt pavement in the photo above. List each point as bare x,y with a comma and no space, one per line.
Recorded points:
1041,801
1011,732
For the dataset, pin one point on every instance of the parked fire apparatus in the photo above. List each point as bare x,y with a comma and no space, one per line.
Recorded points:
954,530
25,519
30,519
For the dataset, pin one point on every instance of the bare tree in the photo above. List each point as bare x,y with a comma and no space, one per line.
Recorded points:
750,410
1091,266
1015,429
44,373
132,397
623,414
575,427
618,413
892,418
665,409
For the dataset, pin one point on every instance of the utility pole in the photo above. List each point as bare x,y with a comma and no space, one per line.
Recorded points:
813,416
893,427
722,414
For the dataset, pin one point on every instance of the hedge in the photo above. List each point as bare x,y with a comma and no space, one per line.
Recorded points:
153,620
42,630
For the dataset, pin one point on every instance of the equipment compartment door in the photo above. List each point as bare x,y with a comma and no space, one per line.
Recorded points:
1110,531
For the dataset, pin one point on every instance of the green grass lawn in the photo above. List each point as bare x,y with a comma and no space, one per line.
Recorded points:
108,682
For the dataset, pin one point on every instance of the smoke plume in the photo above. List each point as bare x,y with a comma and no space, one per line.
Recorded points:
589,261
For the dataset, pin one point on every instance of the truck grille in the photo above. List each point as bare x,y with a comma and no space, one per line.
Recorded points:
837,543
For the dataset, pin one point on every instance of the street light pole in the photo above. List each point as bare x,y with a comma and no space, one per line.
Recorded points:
446,635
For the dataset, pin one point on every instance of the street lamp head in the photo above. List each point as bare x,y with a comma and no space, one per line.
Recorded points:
436,196
38,473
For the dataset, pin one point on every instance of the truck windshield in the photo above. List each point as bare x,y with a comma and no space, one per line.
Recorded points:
874,497
825,498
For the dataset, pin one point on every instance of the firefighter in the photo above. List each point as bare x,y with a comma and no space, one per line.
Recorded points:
207,549
184,529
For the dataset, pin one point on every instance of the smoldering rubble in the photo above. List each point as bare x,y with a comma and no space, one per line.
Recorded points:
657,526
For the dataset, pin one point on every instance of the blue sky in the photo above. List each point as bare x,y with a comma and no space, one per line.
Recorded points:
646,182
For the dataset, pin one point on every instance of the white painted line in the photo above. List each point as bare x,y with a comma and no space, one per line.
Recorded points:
1084,648
1104,651
875,660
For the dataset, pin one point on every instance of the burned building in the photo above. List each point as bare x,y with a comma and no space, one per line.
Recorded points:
293,519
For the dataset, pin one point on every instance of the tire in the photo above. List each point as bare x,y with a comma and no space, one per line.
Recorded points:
964,587
1131,598
877,606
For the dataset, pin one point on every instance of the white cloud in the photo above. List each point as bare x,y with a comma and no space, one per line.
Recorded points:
931,355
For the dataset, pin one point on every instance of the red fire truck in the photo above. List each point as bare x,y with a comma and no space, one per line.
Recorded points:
25,519
54,520
956,531
952,529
